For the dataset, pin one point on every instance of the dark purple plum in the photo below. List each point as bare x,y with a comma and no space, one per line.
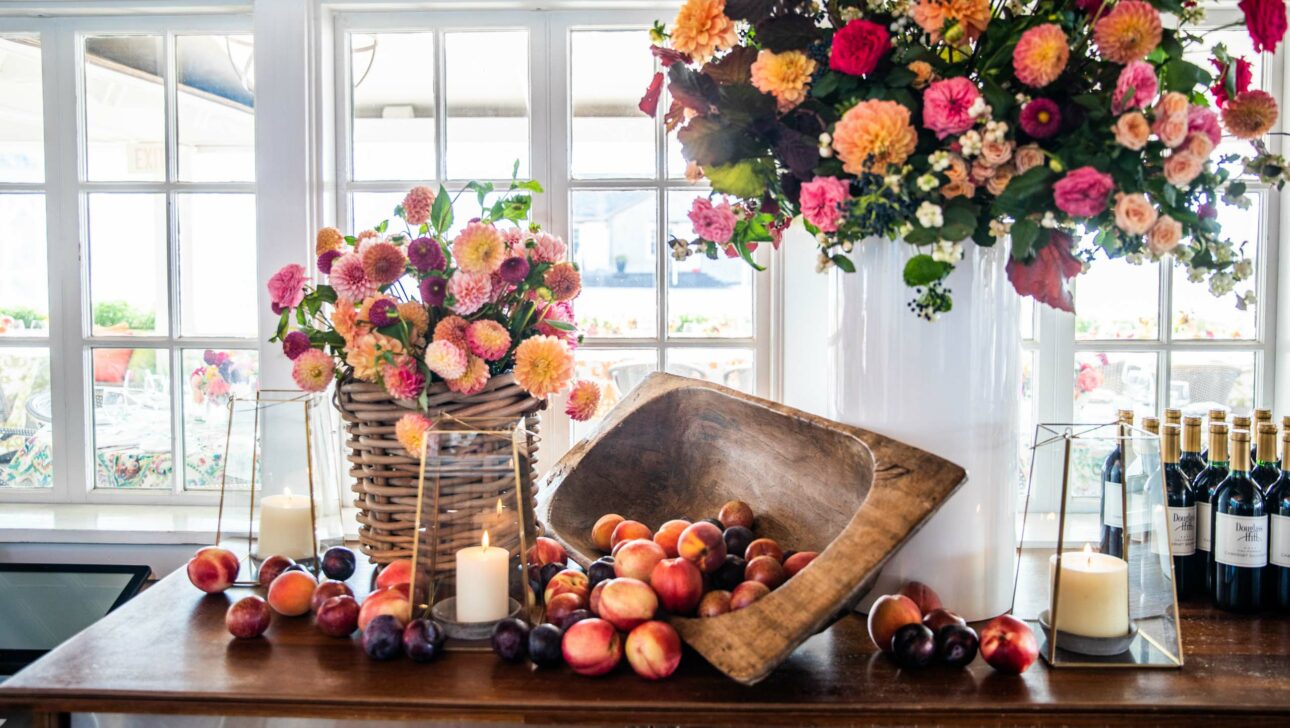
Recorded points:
737,539
720,526
423,640
383,638
913,646
574,617
730,574
339,563
956,645
547,572
600,570
510,639
544,645
295,567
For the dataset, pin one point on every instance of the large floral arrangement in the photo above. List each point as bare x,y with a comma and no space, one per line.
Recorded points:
408,308
1070,126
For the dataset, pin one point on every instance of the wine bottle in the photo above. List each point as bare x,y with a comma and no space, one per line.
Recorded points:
1172,416
1266,469
1215,415
1180,514
1240,534
1142,480
1260,416
1191,461
1113,488
1205,486
1276,578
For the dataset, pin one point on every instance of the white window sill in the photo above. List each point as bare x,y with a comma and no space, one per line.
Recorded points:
115,524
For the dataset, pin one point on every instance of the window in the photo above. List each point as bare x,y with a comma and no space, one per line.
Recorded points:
129,177
447,97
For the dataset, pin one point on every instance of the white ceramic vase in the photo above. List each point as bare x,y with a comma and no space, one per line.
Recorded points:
951,387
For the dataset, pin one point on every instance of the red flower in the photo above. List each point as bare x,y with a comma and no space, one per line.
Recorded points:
1266,21
649,102
1044,279
858,47
1244,76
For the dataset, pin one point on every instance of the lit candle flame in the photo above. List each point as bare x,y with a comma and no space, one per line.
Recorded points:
1088,553
286,492
484,540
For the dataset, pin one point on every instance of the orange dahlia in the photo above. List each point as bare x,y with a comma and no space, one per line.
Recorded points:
936,16
383,263
329,238
873,135
416,316
474,380
701,29
1250,115
1129,32
411,431
543,365
452,329
584,400
488,339
563,280
784,76
1040,55
344,318
479,248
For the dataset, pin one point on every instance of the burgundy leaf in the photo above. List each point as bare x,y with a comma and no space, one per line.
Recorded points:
732,68
1044,278
649,102
694,90
667,56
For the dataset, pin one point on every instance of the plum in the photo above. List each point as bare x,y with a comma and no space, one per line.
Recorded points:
423,640
548,572
383,638
545,645
730,574
339,563
737,539
720,526
913,646
575,617
601,569
510,639
956,645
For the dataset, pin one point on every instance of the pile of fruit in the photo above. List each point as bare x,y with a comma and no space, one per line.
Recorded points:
916,630
707,568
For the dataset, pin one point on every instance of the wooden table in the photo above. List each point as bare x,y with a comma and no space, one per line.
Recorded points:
167,652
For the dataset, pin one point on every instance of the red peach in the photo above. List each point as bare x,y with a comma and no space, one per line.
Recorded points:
291,594
398,571
628,531
747,593
547,551
736,513
247,617
338,616
922,594
627,602
592,647
798,561
327,590
938,618
618,547
593,601
567,581
888,614
668,534
602,534
1008,645
213,569
636,559
703,544
714,603
654,650
678,583
764,547
562,605
766,570
392,601
271,567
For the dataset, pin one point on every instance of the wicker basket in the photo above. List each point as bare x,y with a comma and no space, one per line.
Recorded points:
385,475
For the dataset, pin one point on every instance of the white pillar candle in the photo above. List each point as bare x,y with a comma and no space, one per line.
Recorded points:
286,527
483,593
1093,600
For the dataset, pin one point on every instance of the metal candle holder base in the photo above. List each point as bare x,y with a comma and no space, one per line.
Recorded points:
445,613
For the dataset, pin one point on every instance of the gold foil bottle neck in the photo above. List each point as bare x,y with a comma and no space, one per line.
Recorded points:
1266,442
1170,447
1218,415
1191,434
1173,416
1151,424
1217,442
1240,450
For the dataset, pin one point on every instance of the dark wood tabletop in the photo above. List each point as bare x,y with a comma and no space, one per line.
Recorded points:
167,652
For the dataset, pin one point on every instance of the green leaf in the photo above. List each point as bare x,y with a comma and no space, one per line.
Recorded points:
481,190
531,185
742,248
922,270
561,325
922,236
843,262
326,293
282,325
1180,75
1023,235
441,211
741,179
385,224
960,221
997,97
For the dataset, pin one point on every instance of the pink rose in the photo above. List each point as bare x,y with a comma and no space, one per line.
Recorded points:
1172,104
712,222
1135,88
946,104
1028,157
1204,120
995,153
820,202
1164,235
287,287
1083,192
1132,130
1172,130
1134,213
1183,167
1199,144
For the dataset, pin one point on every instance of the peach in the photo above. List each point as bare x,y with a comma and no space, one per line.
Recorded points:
602,534
653,650
327,590
704,545
337,616
567,581
291,594
766,570
398,571
393,601
564,604
888,614
271,567
747,593
922,594
592,647
628,531
636,559
736,513
1008,645
593,601
714,603
213,569
627,602
797,562
764,547
668,534
613,552
247,617
678,584
547,551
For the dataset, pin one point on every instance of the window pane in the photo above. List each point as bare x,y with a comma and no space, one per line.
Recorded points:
617,371
125,108
1117,300
705,298
211,379
132,443
1200,380
1197,313
217,288
128,269
216,129
611,137
1105,382
393,105
731,367
26,445
613,244
22,150
24,285
488,103
368,209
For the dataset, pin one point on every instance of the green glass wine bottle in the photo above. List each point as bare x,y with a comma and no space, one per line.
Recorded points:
1267,469
1240,529
1191,461
1206,484
1276,578
1180,513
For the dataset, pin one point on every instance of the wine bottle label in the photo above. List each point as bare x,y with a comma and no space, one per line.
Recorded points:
1112,504
1241,540
1279,543
1182,530
1203,531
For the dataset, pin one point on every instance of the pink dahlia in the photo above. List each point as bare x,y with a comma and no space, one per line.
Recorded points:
821,201
287,286
563,280
453,329
488,339
1041,118
313,370
295,343
712,222
417,205
445,359
548,248
584,400
1041,55
1083,192
479,248
349,279
470,291
946,104
473,380
403,380
411,431
561,313
1135,88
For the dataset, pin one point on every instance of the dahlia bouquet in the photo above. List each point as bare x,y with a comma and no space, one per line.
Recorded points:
1069,126
410,308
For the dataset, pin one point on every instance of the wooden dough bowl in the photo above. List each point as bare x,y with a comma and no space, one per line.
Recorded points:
680,448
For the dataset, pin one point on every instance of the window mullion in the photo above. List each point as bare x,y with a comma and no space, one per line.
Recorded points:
440,105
